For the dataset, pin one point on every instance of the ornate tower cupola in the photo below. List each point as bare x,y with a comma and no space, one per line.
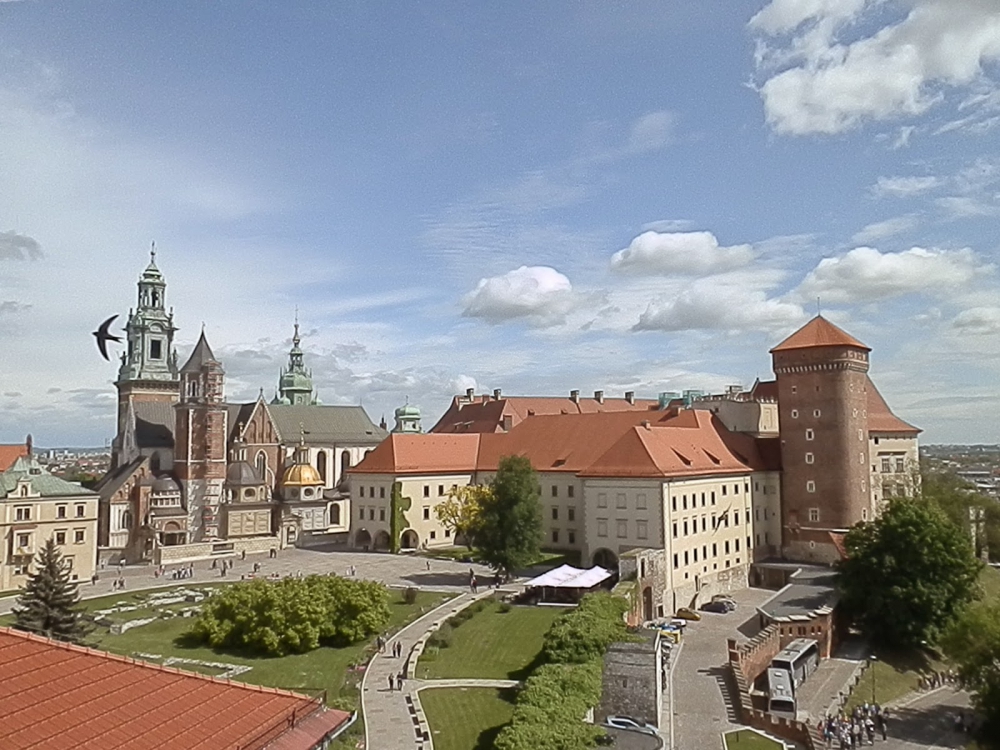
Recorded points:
295,385
408,419
150,328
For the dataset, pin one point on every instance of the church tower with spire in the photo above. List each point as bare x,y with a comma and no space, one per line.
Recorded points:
295,385
200,441
148,370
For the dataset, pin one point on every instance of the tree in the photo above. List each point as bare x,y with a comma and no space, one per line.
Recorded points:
907,574
462,511
511,530
956,497
973,642
48,605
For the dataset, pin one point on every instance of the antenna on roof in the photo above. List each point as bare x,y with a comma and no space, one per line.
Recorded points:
819,310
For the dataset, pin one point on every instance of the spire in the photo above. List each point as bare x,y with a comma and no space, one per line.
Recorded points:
200,356
295,384
152,253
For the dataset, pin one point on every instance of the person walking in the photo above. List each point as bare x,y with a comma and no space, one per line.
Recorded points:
399,681
391,683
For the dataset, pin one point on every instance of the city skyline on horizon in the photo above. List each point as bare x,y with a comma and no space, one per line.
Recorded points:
640,199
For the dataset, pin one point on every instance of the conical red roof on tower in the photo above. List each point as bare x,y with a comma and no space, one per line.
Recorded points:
819,332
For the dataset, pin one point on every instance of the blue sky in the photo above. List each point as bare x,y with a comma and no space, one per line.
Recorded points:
527,196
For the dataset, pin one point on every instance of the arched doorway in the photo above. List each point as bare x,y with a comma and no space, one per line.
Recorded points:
410,540
647,603
363,539
382,540
606,559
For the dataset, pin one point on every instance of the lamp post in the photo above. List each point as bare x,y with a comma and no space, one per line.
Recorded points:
874,662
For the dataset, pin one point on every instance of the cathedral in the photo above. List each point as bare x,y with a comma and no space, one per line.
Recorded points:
193,475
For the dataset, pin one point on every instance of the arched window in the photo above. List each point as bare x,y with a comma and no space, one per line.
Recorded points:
345,464
321,464
335,514
126,519
262,465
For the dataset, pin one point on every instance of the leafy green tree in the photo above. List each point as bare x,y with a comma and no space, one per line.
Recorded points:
292,615
49,603
973,642
462,511
511,531
584,633
956,497
907,574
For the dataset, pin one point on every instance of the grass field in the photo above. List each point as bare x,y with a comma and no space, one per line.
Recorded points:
322,669
492,645
466,718
747,740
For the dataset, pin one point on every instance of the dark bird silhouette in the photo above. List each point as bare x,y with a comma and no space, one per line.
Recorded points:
103,336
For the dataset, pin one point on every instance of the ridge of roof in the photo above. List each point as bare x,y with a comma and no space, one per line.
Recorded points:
816,333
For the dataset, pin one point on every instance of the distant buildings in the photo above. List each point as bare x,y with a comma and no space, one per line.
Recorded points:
194,475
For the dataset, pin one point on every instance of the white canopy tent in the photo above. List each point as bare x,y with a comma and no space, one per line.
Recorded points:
566,577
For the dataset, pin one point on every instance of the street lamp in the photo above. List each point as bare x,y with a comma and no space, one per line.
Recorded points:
874,661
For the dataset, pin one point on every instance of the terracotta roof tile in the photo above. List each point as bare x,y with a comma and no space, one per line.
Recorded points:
819,332
880,416
486,414
56,695
10,453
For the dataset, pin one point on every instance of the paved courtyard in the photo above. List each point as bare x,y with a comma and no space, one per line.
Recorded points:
393,570
926,721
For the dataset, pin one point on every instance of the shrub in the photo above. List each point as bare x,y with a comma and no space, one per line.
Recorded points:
586,632
410,595
504,608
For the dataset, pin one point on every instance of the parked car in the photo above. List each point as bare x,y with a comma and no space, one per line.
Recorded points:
630,724
719,607
685,613
724,598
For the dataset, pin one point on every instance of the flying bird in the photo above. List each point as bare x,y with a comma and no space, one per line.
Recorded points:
103,336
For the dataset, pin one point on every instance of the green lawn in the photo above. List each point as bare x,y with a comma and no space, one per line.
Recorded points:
895,674
748,740
492,644
466,718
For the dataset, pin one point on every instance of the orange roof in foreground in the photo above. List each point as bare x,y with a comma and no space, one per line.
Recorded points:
486,414
672,442
819,332
10,453
56,695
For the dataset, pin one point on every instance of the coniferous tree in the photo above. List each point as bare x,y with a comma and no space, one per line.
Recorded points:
48,605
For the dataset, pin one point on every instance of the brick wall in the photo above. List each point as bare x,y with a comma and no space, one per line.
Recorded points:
631,684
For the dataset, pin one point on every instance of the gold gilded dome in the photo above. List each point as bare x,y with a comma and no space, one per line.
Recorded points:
299,475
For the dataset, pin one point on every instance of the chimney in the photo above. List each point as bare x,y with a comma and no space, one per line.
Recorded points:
496,394
28,444
630,396
599,397
574,396
645,423
508,422
470,393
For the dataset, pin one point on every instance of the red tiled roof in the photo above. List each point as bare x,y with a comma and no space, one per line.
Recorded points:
764,390
56,695
819,332
838,543
486,414
421,454
880,416
10,453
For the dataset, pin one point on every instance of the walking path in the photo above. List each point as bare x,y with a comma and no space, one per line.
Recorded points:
394,719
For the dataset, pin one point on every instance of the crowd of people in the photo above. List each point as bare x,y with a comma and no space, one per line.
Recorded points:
865,722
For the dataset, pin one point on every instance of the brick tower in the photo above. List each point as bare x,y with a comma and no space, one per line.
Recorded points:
148,369
200,441
823,421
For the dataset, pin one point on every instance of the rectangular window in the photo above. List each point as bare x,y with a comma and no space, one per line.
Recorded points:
381,514
427,513
675,559
885,465
78,536
694,554
555,536
715,549
736,489
427,490
810,486
572,537
555,491
726,547
433,535
361,491
570,491
737,545
817,413
620,501
622,528
685,528
571,514
155,349
810,458
22,514
810,434
641,529
60,537
723,490
602,500
447,533
900,464
381,492
685,557
555,513
23,540
795,413
814,515
60,511
675,529
371,514
440,490
640,501
371,492
736,517
673,504
361,514
602,527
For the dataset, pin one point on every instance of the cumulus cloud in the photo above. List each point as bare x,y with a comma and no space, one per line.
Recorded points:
903,187
14,246
711,306
865,275
966,206
679,253
537,293
978,320
818,80
888,228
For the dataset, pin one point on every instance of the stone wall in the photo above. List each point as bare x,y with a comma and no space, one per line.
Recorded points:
182,553
631,681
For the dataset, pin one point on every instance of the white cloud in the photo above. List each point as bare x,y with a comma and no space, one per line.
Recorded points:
651,132
667,225
889,228
539,294
966,206
865,275
708,305
820,81
903,187
14,246
679,253
978,320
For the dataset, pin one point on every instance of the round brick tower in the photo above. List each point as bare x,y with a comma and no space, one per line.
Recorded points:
823,422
